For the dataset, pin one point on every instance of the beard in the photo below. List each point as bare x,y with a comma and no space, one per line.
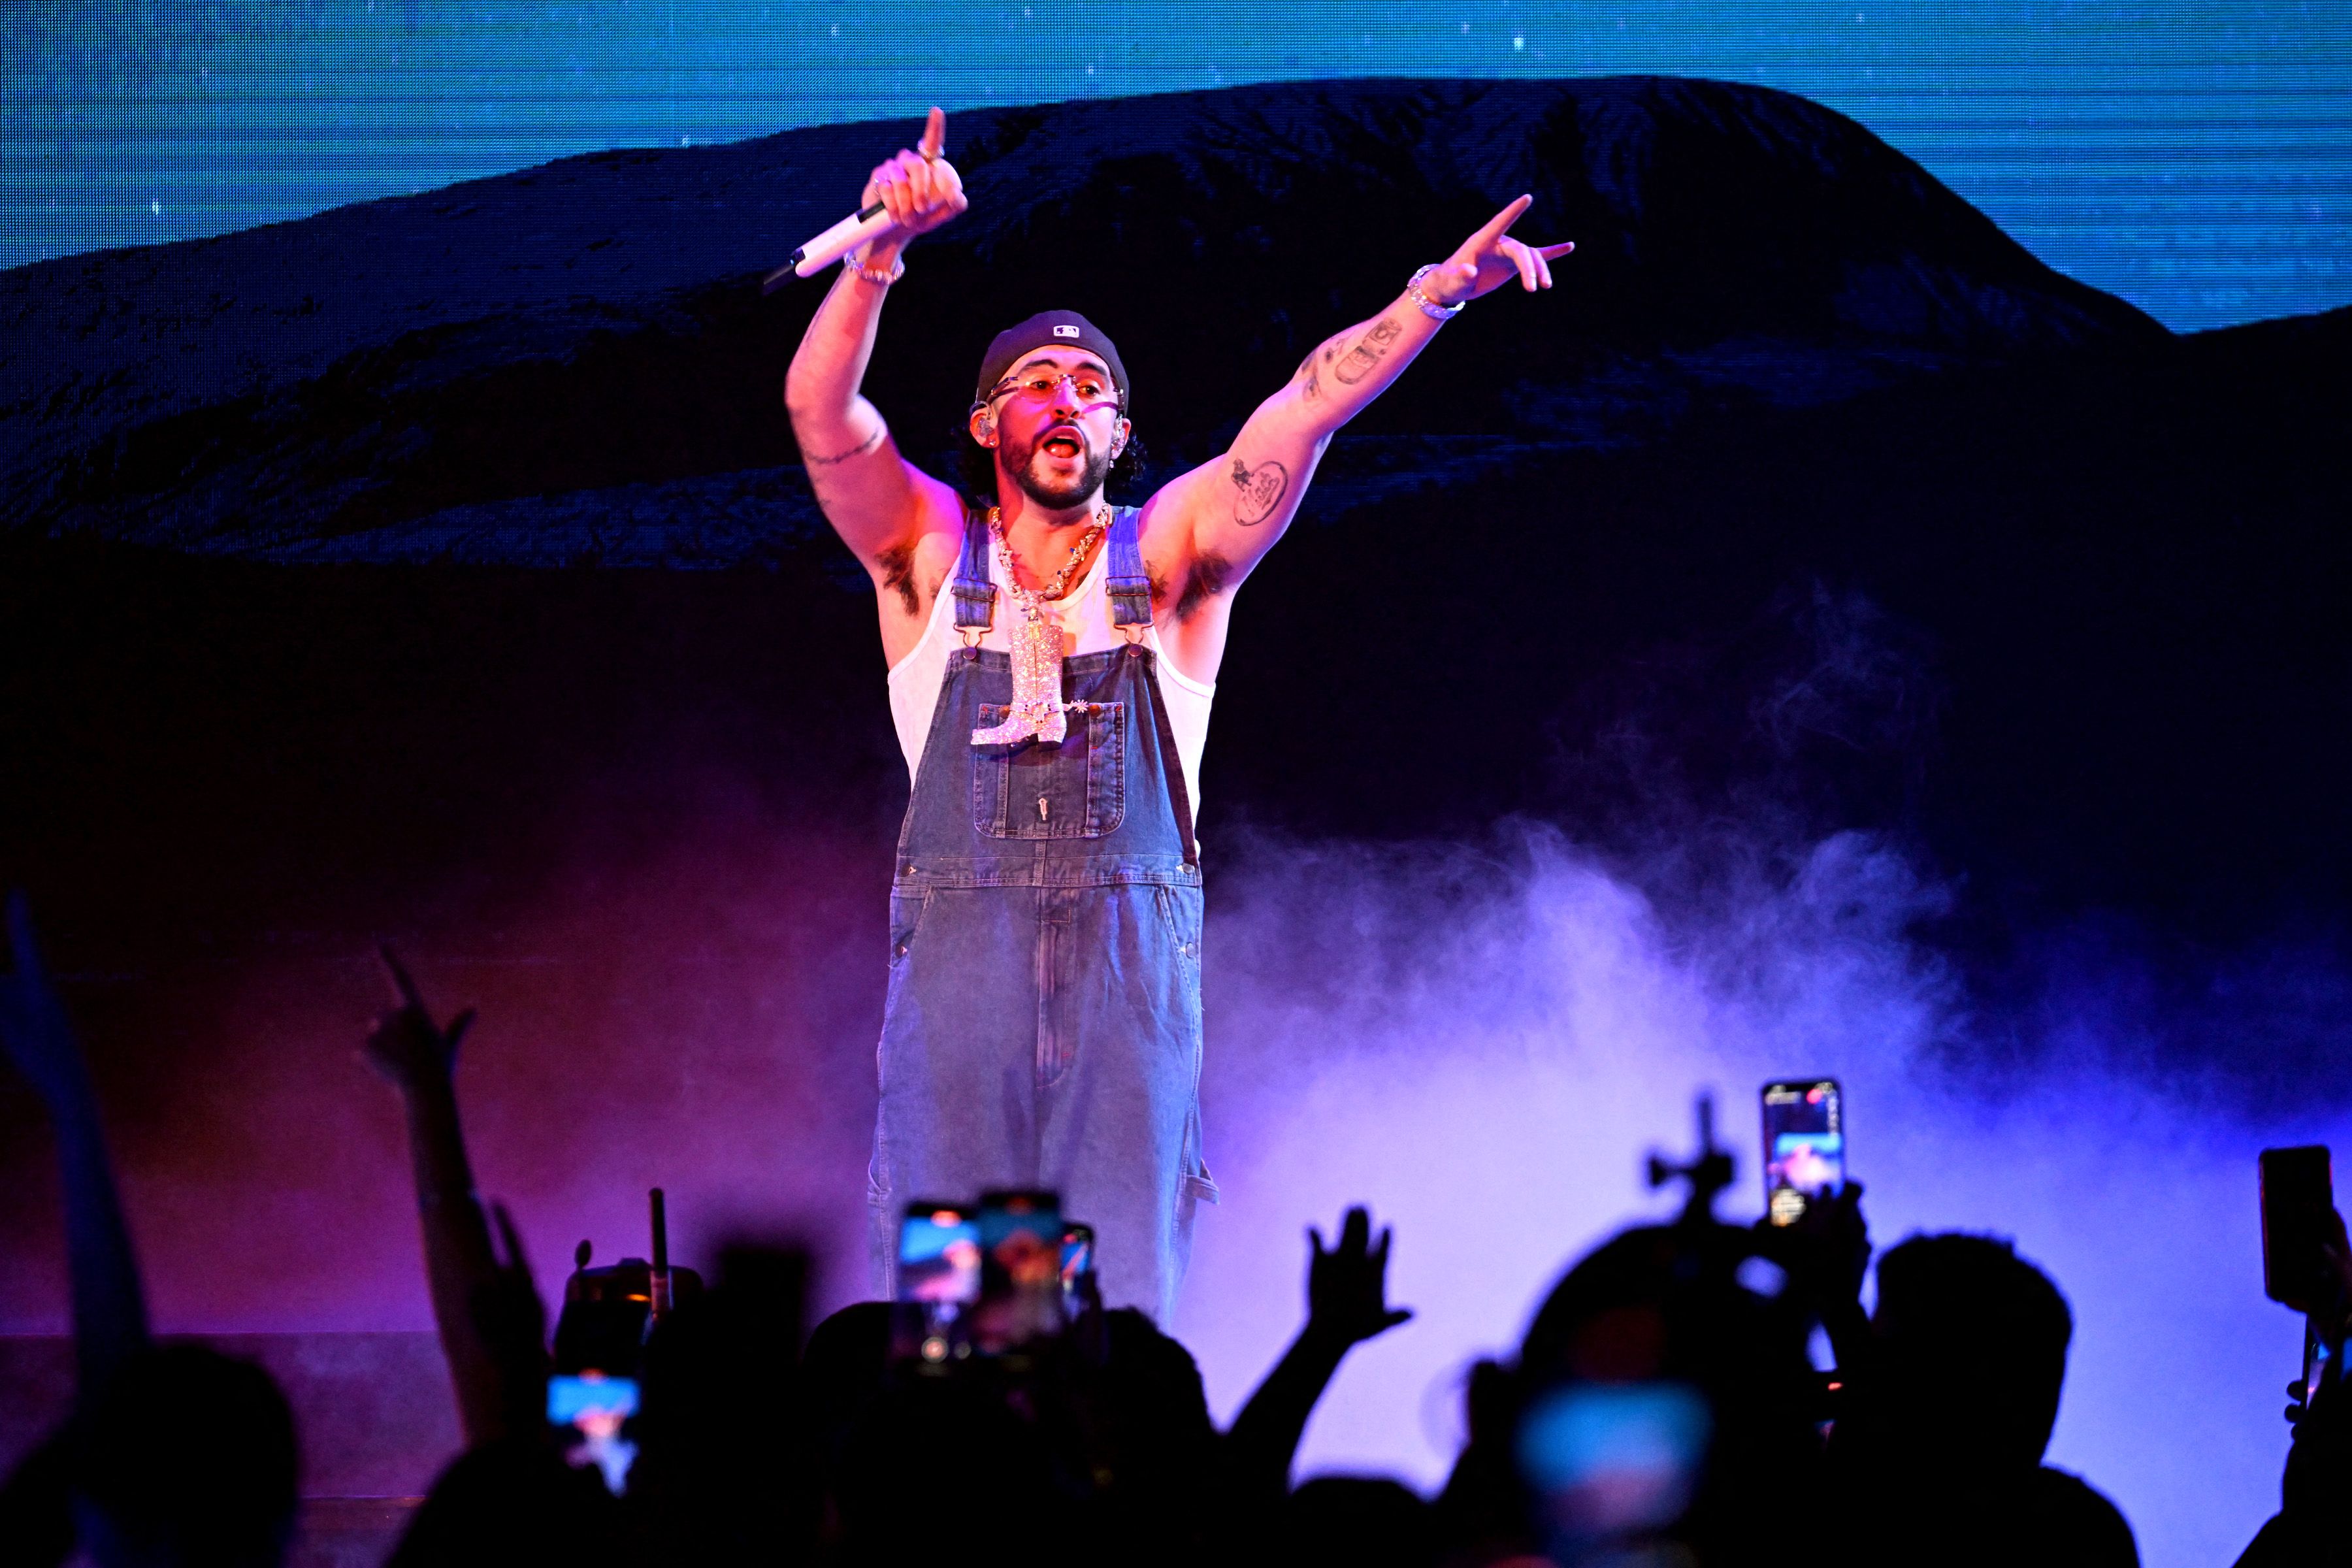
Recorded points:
1057,495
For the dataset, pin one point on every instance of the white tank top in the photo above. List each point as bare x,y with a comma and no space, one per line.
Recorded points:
1085,611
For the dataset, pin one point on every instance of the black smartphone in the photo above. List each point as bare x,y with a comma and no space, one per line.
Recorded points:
1020,1268
939,1280
2298,1205
1077,1258
1804,1145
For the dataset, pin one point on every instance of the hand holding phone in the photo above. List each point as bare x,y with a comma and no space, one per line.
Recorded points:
2303,1261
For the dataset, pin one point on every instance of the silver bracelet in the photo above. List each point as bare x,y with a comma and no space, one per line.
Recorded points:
879,279
1428,307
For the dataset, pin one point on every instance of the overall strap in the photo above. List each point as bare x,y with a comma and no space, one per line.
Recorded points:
975,596
1129,589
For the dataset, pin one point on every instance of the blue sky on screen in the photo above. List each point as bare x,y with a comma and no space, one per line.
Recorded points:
2194,158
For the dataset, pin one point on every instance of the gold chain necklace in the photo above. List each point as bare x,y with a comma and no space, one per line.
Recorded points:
1036,647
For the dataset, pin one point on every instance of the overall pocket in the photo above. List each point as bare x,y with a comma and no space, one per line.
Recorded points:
1074,790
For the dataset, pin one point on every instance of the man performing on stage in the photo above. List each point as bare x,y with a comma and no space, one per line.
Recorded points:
1051,658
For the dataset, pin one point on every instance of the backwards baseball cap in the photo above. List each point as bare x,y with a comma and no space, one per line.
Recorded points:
1048,330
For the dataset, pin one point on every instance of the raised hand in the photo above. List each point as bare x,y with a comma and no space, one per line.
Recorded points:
109,1309
920,189
406,1044
1347,1285
1827,1250
33,1028
1491,258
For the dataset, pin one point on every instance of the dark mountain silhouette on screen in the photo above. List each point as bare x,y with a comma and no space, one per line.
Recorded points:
1807,501
566,363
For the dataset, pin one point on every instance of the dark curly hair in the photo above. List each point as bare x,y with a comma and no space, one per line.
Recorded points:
976,467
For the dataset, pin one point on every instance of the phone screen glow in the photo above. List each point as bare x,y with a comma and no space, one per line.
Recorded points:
938,1256
1804,1145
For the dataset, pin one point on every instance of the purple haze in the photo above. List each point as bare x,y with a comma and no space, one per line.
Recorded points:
1479,1041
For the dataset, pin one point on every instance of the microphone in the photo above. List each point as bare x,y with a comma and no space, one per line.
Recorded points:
829,246
859,226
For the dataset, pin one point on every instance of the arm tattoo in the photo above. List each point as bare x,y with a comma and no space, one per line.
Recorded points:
1368,353
1262,489
815,460
1310,369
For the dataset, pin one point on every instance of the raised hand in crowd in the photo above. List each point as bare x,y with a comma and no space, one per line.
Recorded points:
121,1479
110,1307
1346,1303
1347,1283
1826,1252
420,1057
2314,1524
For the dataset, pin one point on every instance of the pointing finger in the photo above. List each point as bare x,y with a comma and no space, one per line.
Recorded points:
402,987
1562,248
1500,222
935,135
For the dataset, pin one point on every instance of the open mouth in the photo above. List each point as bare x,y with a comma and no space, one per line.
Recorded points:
1062,442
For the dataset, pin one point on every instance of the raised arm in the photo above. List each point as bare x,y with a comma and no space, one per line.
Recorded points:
1346,1303
1220,520
420,1057
879,503
109,1309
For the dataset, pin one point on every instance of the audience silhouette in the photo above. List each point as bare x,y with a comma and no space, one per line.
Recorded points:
1662,1409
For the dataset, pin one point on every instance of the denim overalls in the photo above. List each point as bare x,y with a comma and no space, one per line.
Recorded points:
1043,1022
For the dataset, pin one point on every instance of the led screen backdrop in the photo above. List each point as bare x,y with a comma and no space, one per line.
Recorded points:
2195,159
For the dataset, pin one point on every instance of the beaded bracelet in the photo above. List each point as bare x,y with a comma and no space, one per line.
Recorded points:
879,279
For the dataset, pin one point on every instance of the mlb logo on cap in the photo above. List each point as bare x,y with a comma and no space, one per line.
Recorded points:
1066,331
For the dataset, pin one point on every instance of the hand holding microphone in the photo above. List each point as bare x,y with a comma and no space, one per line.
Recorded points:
909,194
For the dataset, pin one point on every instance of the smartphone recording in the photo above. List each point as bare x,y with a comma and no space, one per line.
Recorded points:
1804,1145
939,1281
595,1408
1020,1236
1078,1259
